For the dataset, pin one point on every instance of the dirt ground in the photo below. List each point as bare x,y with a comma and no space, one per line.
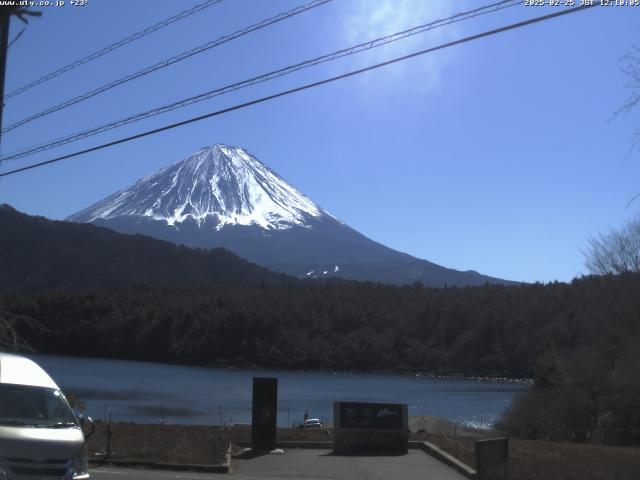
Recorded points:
179,444
535,459
173,444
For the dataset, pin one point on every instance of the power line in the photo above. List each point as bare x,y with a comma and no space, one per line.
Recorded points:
169,61
488,33
114,46
263,78
18,35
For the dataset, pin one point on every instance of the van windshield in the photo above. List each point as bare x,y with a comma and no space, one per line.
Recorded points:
22,405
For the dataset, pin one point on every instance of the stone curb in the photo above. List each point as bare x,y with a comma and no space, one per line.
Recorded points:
444,457
222,468
427,447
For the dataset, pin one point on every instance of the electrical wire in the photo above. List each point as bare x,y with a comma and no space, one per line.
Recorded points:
378,42
168,62
307,86
15,39
113,46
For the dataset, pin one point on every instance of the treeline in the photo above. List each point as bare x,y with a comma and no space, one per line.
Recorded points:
489,330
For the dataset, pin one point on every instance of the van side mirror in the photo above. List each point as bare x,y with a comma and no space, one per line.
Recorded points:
87,425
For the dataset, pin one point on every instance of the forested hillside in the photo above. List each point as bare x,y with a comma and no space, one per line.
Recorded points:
490,330
37,253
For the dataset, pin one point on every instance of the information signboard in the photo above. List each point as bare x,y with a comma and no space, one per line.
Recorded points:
370,428
371,415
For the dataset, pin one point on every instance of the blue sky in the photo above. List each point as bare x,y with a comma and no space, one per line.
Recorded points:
499,155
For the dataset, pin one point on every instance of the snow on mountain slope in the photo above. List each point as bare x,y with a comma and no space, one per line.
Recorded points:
223,183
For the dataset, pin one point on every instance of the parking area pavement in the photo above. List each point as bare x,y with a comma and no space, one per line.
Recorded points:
311,464
306,464
116,473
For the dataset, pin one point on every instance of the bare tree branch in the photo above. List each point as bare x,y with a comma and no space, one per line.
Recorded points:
9,337
631,68
617,251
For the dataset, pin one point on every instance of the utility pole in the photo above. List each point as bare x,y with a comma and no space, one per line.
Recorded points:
6,12
5,17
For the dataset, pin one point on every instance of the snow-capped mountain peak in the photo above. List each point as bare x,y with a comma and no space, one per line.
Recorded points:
222,196
221,183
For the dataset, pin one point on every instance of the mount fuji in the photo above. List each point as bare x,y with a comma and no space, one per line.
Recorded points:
222,196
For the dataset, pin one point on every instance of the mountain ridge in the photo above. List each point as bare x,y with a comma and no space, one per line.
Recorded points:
39,254
222,196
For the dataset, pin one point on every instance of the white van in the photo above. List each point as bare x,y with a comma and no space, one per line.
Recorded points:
40,436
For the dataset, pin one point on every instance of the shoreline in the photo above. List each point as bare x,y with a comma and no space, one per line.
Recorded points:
391,372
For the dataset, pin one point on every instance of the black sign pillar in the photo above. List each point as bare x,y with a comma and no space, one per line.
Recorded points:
264,412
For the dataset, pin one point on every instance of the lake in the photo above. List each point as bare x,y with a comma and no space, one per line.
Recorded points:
148,392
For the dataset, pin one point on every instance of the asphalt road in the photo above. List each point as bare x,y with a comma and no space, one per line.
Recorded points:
308,464
104,473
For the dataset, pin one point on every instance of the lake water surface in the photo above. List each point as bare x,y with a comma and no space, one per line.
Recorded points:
145,392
